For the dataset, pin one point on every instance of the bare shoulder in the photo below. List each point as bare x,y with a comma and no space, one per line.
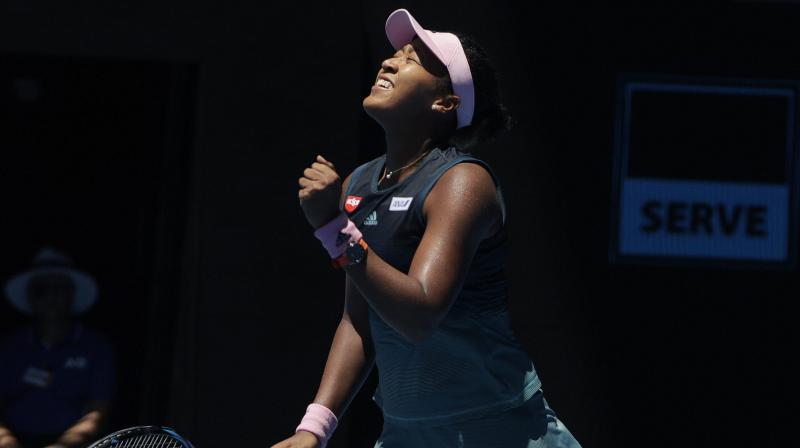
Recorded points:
465,181
346,182
467,190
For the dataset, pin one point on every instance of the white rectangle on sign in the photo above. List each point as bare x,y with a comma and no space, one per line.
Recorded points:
704,219
400,204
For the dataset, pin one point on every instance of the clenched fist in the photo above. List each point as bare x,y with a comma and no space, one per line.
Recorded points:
320,190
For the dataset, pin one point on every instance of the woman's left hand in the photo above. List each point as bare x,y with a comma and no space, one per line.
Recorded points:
320,192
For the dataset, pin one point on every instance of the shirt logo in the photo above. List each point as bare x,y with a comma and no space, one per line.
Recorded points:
77,362
400,204
37,377
372,219
352,203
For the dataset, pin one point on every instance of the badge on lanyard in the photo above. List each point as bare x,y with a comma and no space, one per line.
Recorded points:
37,377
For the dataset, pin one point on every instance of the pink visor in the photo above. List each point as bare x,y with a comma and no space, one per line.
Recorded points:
401,28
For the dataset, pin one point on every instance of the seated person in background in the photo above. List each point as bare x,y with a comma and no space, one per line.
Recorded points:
56,376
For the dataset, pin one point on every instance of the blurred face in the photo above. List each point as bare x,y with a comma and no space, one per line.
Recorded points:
407,85
51,296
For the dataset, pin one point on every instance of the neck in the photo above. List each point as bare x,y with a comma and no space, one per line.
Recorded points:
409,139
401,149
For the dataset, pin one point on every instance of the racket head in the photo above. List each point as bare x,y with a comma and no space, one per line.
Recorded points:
143,437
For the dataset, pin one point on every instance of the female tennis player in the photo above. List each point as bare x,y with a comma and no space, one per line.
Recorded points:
420,232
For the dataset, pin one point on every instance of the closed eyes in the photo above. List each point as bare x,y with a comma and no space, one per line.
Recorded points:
408,58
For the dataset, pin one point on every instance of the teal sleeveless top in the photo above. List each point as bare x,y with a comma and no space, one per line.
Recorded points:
471,364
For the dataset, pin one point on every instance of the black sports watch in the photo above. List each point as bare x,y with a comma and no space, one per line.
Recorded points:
355,253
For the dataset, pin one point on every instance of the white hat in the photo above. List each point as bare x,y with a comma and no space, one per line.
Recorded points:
50,261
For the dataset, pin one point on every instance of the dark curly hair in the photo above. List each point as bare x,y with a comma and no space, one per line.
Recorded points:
491,117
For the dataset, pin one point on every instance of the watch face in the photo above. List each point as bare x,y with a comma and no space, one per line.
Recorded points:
356,253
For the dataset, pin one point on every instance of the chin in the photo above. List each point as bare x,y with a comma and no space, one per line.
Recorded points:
370,101
372,109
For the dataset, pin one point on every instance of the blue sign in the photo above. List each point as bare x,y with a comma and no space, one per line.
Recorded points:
703,219
705,171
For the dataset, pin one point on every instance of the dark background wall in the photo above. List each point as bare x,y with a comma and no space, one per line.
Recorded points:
160,145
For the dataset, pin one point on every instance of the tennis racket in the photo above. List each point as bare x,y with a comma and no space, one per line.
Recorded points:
143,437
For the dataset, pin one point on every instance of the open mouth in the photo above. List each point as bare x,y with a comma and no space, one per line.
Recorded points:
384,84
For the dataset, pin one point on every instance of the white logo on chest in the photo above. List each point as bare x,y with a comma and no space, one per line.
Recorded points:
400,204
37,377
77,362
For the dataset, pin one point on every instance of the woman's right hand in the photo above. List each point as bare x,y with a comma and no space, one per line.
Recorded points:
301,439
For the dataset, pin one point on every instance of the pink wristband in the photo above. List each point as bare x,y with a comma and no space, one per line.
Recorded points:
337,235
319,421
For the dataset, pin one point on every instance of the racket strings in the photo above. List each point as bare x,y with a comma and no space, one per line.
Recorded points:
150,441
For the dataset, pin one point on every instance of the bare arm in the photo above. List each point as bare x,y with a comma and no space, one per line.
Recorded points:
7,439
87,428
351,356
461,210
350,360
